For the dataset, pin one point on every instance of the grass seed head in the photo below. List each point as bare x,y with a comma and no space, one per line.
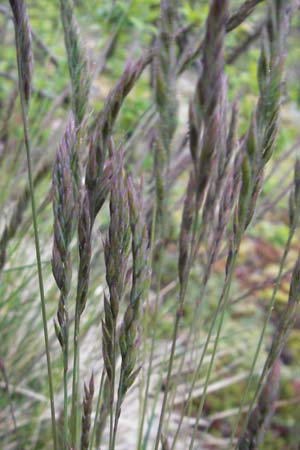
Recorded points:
24,43
77,62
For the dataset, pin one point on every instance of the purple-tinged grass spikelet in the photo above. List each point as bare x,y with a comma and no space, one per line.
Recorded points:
77,62
23,39
104,125
65,210
206,113
128,338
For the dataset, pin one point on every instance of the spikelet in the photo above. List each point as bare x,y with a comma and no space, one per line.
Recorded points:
206,112
65,212
128,339
77,62
23,39
104,124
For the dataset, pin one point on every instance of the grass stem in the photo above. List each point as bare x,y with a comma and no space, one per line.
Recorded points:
24,111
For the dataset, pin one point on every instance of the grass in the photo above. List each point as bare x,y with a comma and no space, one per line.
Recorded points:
145,228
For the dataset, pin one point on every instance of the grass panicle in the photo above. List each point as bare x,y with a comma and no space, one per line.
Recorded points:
270,75
164,90
97,179
77,62
255,157
23,36
116,253
104,122
204,115
206,112
128,338
117,245
65,211
165,100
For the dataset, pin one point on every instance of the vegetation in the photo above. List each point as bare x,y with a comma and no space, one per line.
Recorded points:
149,256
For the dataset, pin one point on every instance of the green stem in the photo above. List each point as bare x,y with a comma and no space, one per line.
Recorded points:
258,390
258,348
170,366
66,358
36,240
118,411
97,410
74,412
259,387
144,405
191,331
112,390
153,341
223,302
196,374
182,293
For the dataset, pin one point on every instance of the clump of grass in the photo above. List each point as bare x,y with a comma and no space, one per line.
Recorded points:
225,177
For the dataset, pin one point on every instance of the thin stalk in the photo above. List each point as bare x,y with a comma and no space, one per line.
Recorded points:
196,313
66,358
36,241
116,421
74,412
112,389
258,348
182,293
99,399
188,405
153,340
258,390
152,413
149,371
192,330
170,366
223,302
